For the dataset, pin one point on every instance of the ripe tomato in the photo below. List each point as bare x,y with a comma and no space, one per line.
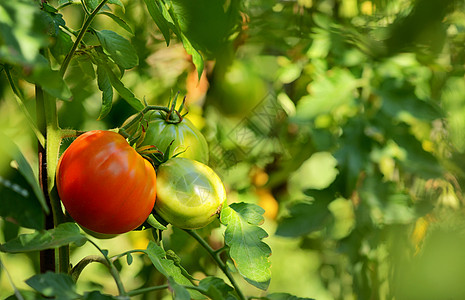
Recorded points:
184,134
189,193
104,184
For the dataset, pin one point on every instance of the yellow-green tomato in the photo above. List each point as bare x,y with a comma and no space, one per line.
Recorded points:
189,193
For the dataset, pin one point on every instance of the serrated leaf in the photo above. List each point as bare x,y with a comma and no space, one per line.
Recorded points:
167,267
60,286
119,48
119,21
156,8
104,84
244,237
216,289
62,235
123,91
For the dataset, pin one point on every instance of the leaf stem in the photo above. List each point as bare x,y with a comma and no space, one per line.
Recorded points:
160,287
88,20
215,255
139,116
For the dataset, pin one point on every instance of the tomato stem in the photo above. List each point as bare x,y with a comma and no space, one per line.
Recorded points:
215,254
111,267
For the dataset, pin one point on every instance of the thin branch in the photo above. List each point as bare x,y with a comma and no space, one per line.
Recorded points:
113,271
215,255
82,32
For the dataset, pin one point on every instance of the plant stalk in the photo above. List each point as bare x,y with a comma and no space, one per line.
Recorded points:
87,21
216,257
47,257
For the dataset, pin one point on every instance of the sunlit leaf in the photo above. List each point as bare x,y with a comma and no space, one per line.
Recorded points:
244,237
156,10
119,48
118,21
167,267
62,235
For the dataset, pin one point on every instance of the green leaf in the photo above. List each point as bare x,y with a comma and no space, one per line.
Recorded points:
129,259
23,32
27,295
119,48
96,295
60,286
62,46
124,92
317,172
216,289
327,93
104,84
244,237
91,4
19,204
50,80
116,2
157,11
9,151
304,217
167,267
399,100
180,292
283,296
166,18
119,21
62,235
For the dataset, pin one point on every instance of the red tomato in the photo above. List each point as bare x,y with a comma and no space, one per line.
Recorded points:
104,184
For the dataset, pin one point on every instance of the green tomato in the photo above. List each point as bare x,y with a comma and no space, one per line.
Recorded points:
238,91
184,135
189,193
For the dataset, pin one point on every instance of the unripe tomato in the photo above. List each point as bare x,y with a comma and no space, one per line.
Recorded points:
104,184
238,91
189,193
184,135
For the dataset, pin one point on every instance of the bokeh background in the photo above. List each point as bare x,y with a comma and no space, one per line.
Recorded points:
343,119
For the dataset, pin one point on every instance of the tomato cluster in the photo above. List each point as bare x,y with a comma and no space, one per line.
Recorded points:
108,188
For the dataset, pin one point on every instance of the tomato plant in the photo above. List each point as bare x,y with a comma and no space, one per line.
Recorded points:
104,184
190,194
181,136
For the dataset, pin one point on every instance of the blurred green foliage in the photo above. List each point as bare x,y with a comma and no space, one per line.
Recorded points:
355,149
